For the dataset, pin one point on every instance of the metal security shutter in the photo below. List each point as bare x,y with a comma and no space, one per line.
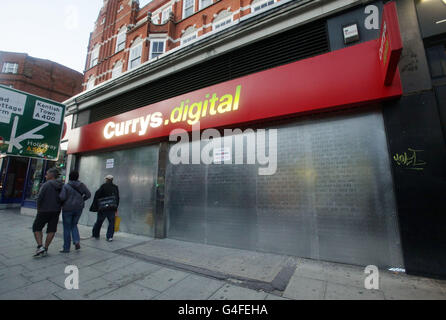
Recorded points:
328,199
295,44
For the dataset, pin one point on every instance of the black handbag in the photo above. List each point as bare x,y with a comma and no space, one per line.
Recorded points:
107,203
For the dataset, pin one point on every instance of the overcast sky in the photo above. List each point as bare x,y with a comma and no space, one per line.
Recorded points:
57,30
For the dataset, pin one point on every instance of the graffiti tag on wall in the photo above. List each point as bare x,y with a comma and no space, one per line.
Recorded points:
410,159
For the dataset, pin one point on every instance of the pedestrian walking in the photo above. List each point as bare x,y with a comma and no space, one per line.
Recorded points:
73,196
106,202
48,211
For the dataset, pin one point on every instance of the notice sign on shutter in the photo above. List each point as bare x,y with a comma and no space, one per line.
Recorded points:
222,154
110,163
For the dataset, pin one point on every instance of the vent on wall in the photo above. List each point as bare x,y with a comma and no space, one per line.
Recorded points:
295,44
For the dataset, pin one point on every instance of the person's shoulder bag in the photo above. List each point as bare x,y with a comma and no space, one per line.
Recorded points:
107,203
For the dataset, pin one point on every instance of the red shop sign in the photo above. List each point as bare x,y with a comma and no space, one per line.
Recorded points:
338,79
390,44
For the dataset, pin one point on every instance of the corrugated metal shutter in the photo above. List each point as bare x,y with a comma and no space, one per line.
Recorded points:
292,45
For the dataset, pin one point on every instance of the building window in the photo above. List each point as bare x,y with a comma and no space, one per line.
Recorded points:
188,8
258,5
117,69
103,21
222,24
205,3
120,40
157,48
90,83
10,67
165,15
156,19
188,38
120,8
135,54
94,56
222,20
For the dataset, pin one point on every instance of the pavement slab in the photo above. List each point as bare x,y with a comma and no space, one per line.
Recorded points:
113,263
300,288
89,290
138,267
191,288
162,279
85,274
231,292
131,273
237,263
12,283
130,292
35,291
336,291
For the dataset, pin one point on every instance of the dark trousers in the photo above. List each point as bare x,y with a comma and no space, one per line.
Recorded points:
110,215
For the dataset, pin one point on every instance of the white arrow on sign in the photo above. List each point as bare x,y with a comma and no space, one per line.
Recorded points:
15,141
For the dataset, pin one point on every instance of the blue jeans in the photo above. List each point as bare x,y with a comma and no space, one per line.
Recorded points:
110,215
70,220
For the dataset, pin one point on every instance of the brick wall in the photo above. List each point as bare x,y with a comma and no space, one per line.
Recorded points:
139,23
41,77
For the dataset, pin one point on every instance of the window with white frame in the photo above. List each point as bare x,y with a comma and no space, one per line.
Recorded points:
188,8
224,23
90,83
188,38
258,5
120,40
222,20
117,69
204,3
156,19
135,54
10,67
165,15
94,56
157,47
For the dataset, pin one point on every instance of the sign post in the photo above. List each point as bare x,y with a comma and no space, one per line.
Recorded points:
30,126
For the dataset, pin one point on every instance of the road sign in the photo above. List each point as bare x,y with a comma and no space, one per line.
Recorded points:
30,126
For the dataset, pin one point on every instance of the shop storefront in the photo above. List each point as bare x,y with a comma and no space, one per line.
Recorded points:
21,179
330,195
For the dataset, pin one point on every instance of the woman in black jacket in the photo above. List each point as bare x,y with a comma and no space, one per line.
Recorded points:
107,190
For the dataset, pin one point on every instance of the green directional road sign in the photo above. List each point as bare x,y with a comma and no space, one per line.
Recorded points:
30,126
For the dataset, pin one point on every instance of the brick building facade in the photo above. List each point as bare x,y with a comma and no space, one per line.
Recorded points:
39,76
126,35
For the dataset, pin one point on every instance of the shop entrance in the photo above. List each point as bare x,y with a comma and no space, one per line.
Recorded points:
134,172
13,179
331,197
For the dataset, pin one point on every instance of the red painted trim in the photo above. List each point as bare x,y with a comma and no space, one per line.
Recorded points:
391,44
347,77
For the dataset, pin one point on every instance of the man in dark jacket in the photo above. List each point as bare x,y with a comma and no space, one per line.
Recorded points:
48,211
106,190
73,195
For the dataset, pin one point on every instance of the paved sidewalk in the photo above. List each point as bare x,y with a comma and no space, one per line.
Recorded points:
136,267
